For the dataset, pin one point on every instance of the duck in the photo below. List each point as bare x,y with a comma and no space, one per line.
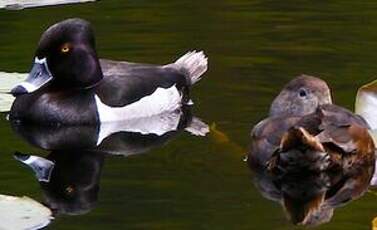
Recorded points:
306,132
69,85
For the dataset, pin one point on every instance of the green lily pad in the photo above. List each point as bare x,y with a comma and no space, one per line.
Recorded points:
18,213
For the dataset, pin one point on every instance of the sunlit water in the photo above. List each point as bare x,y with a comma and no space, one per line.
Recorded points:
254,47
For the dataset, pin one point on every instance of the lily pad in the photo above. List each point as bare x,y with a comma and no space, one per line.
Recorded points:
7,81
22,4
18,213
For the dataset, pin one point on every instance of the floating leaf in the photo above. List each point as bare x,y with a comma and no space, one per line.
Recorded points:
7,81
22,213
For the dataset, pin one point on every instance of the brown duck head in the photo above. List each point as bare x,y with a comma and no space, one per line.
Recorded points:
301,96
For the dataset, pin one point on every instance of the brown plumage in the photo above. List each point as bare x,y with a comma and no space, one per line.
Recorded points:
309,154
314,136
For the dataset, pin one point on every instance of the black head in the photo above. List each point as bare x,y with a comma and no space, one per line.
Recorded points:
301,96
66,58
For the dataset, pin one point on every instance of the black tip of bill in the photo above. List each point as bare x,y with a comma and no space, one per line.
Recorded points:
18,90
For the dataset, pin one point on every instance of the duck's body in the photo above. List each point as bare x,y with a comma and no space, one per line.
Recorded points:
127,90
321,138
330,137
113,91
312,163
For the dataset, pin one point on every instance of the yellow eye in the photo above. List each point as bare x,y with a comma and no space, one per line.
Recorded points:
65,48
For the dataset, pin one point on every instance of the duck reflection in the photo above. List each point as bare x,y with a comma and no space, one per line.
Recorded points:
69,179
310,198
70,175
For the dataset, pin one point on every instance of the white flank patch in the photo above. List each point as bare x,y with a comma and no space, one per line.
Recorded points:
157,124
366,106
18,213
160,101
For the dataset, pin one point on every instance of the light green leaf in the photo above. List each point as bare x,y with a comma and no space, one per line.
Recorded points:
7,81
18,213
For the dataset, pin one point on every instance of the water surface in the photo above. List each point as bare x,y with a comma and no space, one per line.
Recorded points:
254,47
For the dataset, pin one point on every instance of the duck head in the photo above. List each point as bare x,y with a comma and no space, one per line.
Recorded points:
301,96
65,57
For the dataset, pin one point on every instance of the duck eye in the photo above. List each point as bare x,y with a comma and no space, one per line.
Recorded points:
302,93
69,190
65,48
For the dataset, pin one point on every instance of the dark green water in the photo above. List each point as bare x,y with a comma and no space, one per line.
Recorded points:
254,47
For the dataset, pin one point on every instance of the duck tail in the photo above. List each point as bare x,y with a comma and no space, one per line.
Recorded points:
298,136
194,64
299,151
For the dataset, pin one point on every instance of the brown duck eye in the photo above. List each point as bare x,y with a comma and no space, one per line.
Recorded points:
65,48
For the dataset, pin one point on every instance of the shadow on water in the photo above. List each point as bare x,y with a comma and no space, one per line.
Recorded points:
69,176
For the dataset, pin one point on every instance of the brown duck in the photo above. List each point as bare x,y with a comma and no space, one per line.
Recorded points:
306,132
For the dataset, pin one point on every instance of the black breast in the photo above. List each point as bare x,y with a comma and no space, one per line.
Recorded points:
52,107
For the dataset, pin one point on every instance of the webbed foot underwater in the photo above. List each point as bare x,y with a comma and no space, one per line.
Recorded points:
68,84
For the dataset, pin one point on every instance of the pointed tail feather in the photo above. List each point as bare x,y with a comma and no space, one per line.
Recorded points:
297,136
299,151
194,64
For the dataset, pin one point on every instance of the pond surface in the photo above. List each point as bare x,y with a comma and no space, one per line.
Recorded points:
254,47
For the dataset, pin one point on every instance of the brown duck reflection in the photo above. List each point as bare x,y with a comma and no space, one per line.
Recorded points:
70,175
310,198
